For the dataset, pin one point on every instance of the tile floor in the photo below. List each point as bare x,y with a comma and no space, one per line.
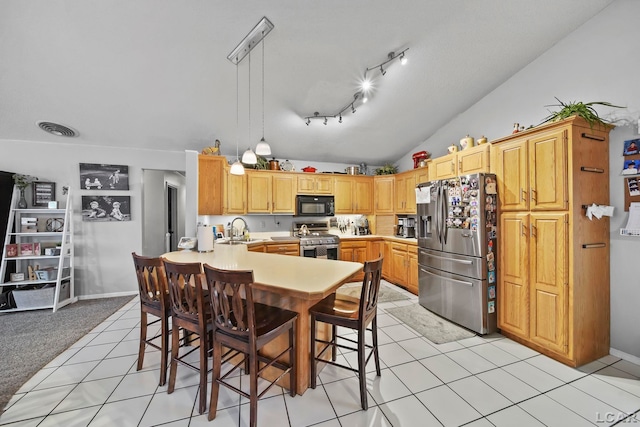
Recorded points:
477,382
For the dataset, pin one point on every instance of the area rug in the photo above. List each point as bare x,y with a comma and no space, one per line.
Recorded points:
31,339
429,325
386,294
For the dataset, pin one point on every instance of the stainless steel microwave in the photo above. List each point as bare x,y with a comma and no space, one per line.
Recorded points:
315,206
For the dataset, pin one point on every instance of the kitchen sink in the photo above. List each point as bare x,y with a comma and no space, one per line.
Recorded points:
238,242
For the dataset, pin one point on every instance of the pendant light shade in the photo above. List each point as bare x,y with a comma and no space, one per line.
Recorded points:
237,168
249,157
263,149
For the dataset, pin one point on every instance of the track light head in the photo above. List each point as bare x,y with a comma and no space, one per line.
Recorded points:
366,85
403,59
325,121
340,119
364,99
382,71
353,110
308,121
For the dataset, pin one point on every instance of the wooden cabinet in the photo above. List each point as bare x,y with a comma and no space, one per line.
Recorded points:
405,192
353,194
472,160
235,197
259,247
210,184
271,192
384,194
354,251
386,264
412,279
292,249
532,171
553,281
375,249
399,264
315,184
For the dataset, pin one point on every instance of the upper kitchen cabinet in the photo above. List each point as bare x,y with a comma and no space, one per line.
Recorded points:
271,192
211,184
353,194
384,194
471,160
406,192
235,200
309,183
532,171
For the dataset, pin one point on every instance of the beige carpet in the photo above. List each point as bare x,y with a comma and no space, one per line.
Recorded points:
431,326
387,294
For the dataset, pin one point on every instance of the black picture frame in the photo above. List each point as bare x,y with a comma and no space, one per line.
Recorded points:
97,176
106,208
43,193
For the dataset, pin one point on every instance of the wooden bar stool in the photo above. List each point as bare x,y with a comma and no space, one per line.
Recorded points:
190,311
154,300
353,313
245,327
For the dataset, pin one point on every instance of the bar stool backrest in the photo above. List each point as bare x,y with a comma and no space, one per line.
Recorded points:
370,289
152,281
185,290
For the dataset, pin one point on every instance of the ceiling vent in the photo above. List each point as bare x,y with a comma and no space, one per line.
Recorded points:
57,129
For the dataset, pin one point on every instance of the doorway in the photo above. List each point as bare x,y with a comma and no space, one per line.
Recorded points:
172,218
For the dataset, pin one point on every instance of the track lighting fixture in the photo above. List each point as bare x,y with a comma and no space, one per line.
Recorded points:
363,94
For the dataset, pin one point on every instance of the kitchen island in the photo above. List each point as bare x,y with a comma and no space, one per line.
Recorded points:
293,283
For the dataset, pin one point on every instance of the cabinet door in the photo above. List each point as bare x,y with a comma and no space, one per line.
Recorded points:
256,248
284,193
384,194
346,253
375,249
422,175
343,201
549,280
474,160
410,206
259,190
387,265
412,257
443,167
284,249
363,195
399,261
513,274
548,171
512,174
324,184
306,184
210,184
236,196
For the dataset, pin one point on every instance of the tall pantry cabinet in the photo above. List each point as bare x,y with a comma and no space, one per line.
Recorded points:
553,284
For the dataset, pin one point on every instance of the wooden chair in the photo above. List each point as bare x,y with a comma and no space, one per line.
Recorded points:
189,311
246,327
154,300
353,313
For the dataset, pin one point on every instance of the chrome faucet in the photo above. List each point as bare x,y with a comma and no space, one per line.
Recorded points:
236,230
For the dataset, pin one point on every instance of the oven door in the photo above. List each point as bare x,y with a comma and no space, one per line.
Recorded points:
320,251
308,251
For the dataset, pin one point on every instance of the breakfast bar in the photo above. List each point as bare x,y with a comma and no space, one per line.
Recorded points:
293,283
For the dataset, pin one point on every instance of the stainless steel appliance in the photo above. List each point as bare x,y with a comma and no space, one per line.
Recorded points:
406,227
457,227
315,241
315,206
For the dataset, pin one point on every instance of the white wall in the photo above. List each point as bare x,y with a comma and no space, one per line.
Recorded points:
597,62
103,262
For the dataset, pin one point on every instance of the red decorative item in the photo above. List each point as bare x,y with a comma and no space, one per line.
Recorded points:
418,157
309,169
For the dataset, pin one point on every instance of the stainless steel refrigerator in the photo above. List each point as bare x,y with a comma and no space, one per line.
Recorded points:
457,230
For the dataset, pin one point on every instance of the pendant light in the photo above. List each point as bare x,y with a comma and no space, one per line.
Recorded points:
236,167
263,147
249,157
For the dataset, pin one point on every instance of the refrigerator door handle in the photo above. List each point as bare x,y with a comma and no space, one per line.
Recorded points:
445,213
436,215
469,284
461,261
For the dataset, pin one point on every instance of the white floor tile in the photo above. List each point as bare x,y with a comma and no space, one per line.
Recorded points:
628,367
518,350
483,398
79,417
471,361
416,376
446,347
108,337
393,354
371,417
311,408
399,332
482,422
134,385
513,416
345,396
561,371
28,423
609,359
620,379
85,340
592,367
449,408
90,353
127,323
36,379
274,413
171,407
609,394
330,373
124,348
124,413
470,342
224,418
533,376
67,374
509,386
444,368
62,357
408,411
552,414
36,404
386,387
581,403
494,354
88,394
118,366
386,320
419,348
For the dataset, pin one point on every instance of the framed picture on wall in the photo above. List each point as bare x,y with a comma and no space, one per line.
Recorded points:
95,176
43,193
106,208
631,147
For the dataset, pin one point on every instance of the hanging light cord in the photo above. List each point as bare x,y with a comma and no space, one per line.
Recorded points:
263,86
237,112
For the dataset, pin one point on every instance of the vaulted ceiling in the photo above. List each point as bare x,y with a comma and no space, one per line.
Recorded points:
155,74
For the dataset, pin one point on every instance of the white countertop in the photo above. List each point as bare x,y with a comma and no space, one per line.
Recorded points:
308,278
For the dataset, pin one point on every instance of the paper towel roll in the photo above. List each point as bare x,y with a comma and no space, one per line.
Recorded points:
205,238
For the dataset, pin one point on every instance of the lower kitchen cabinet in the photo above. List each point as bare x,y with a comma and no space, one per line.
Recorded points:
399,264
256,248
412,255
355,251
292,249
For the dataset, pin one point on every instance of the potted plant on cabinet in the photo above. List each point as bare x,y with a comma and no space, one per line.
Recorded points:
22,182
584,110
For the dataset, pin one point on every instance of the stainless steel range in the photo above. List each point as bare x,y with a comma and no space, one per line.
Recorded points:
315,241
